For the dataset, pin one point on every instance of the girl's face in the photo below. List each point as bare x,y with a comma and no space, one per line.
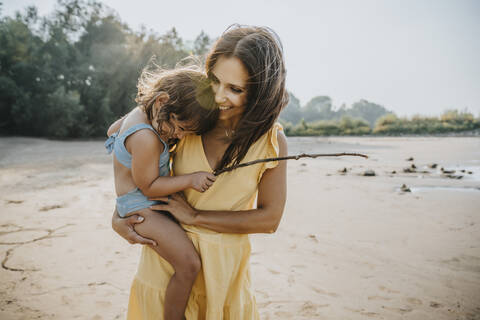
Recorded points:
229,83
174,128
180,127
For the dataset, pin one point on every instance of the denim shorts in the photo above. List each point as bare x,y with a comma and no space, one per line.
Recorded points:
133,201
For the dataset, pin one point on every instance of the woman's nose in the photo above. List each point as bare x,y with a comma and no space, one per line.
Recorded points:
220,95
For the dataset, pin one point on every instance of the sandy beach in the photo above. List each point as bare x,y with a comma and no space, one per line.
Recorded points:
349,246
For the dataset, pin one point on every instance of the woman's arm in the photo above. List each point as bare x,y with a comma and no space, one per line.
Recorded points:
272,192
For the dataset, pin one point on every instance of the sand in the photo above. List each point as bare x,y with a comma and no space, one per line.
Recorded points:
348,247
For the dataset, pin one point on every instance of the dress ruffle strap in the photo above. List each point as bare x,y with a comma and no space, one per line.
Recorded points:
110,142
272,149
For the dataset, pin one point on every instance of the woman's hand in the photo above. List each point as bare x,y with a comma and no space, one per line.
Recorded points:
125,228
178,207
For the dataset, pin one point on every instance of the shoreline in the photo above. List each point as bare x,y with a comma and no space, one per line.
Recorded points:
460,134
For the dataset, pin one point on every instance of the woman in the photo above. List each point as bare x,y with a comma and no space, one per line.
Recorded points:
248,78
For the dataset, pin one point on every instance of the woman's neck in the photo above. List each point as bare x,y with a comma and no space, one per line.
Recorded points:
229,124
225,128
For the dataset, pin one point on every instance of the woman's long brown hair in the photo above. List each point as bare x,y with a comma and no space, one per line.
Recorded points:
261,53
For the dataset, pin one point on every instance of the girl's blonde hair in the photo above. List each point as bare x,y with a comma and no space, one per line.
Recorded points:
184,91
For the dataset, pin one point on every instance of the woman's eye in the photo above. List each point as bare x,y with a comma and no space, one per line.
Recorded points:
236,90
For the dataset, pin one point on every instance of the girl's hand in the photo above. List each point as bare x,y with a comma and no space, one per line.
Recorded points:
202,180
125,228
178,207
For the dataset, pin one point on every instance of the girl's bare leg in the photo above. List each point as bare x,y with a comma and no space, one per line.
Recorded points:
175,247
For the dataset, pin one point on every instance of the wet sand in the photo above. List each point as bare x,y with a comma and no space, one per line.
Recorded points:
349,246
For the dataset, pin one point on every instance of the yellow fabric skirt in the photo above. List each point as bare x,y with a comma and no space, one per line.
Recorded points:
221,291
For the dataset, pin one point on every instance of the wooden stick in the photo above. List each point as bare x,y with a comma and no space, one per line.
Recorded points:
295,157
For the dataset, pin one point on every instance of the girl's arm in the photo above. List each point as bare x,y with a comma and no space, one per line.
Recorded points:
272,191
146,148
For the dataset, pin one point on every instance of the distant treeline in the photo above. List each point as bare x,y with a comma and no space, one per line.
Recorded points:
449,122
72,73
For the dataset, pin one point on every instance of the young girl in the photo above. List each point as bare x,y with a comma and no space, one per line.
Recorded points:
171,104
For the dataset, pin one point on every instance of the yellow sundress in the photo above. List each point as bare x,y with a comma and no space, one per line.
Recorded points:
222,290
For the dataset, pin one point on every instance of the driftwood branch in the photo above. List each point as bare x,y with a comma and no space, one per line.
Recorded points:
294,157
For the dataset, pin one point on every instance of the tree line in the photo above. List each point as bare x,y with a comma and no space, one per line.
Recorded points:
73,72
319,118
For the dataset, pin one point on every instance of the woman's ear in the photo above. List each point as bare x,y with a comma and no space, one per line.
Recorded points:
161,99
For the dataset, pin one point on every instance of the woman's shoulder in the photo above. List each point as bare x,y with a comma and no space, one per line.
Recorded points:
268,145
271,137
272,144
282,140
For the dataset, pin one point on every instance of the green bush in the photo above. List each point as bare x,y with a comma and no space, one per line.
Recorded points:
345,126
449,121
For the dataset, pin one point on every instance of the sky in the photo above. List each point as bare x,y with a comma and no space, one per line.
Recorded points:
411,56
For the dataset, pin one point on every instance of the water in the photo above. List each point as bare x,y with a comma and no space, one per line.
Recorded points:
443,188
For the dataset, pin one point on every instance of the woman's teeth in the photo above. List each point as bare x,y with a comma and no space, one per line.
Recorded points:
224,108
